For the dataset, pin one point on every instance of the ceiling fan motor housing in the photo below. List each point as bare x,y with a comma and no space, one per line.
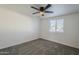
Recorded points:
41,9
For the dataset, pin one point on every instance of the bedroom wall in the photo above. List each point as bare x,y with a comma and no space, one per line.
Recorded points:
16,28
69,37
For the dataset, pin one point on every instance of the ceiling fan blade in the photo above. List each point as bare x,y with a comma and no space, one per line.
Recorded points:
49,5
48,11
35,12
34,8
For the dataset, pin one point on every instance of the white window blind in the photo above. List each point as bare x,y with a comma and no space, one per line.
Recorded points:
56,25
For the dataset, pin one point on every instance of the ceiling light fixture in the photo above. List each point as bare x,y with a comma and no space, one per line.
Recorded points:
42,13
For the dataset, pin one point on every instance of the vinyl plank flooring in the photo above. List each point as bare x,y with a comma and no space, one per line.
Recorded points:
40,47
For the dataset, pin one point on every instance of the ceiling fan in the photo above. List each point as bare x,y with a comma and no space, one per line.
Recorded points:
42,10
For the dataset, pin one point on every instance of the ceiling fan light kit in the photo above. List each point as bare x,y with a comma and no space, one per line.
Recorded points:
42,13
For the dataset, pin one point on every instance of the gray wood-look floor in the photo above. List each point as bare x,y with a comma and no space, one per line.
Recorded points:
40,47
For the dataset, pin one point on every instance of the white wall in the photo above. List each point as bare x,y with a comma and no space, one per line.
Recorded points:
70,36
16,28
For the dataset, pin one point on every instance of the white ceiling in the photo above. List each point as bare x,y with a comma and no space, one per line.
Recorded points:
63,9
58,9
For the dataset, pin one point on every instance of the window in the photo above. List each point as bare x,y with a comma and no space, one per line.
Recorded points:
52,26
56,25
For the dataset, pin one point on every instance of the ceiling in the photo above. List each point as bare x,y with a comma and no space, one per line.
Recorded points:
58,9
